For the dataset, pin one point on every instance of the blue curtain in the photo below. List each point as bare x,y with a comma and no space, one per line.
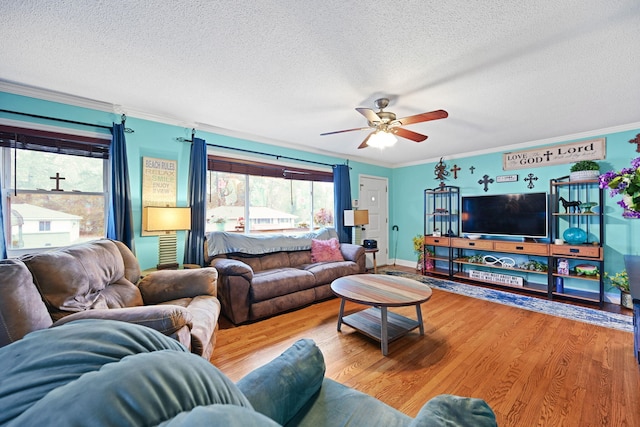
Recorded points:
342,200
194,252
3,245
120,219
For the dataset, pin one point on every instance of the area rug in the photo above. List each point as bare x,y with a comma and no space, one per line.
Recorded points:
568,311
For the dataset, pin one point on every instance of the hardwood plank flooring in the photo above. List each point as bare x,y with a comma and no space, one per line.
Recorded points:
533,369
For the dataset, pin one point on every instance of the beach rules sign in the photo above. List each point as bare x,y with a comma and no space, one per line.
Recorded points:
593,149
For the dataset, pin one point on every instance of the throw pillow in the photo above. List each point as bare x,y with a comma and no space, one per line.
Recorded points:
325,250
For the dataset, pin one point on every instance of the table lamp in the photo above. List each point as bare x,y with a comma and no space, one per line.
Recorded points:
356,219
167,220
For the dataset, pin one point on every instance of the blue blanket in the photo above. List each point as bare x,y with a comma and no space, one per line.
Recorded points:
221,242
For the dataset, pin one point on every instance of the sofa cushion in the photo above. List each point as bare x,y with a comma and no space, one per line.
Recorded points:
327,272
21,307
325,250
88,269
273,283
339,405
298,258
113,373
296,374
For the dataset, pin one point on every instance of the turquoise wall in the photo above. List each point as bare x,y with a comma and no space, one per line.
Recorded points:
408,184
154,139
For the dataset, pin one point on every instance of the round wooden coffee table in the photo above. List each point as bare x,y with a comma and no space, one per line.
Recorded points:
381,291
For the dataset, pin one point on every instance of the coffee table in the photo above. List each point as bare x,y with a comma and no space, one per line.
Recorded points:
381,291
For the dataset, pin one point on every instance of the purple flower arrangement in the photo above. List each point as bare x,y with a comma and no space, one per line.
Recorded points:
626,183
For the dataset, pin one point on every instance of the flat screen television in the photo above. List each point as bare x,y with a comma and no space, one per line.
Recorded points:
522,215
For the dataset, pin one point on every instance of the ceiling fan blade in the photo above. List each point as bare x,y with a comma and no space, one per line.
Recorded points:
424,117
409,134
369,114
341,131
364,143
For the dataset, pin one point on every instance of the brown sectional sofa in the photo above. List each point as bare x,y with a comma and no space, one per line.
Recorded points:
256,286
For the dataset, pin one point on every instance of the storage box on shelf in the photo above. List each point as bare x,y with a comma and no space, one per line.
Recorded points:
441,223
576,209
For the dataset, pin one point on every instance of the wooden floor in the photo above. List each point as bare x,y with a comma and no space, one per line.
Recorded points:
532,369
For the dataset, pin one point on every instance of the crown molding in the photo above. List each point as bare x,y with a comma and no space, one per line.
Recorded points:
529,144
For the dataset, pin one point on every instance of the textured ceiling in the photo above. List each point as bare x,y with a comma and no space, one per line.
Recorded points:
285,71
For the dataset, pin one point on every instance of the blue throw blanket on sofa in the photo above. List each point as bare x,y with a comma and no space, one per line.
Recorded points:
221,242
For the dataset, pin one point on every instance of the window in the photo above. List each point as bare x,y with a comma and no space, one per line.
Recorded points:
252,197
54,188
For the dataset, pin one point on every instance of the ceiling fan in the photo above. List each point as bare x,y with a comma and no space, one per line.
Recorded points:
385,124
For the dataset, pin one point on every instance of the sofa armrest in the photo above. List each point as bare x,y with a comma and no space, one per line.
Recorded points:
296,375
355,253
167,285
448,410
232,267
167,319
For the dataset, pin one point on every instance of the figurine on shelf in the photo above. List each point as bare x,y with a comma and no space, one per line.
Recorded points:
570,204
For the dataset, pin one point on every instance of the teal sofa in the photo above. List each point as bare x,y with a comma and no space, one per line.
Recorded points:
112,373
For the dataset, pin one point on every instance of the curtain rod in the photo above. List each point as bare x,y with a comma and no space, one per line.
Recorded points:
277,156
123,120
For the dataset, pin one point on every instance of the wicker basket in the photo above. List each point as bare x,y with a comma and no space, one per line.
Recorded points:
583,175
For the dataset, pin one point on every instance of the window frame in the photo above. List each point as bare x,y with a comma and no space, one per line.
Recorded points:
250,167
69,142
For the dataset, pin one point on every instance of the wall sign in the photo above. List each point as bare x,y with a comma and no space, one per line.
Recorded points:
594,149
159,184
506,178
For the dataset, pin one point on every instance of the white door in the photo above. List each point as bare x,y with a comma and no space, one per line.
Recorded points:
374,198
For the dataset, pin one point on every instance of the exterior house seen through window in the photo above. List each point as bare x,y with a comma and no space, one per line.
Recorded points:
262,198
54,188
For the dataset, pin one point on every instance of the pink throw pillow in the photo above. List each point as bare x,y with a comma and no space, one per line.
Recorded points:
325,250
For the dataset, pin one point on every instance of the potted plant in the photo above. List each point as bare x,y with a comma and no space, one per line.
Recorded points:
218,221
424,264
621,281
584,169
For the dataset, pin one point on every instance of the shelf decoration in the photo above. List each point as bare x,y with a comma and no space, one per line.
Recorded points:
566,204
626,183
574,236
586,270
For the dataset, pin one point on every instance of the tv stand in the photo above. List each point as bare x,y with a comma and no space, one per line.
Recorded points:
556,271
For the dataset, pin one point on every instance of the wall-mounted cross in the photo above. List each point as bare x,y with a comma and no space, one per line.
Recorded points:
472,168
455,170
531,178
486,181
636,140
57,178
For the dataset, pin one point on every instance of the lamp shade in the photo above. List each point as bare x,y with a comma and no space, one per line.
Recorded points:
358,217
158,218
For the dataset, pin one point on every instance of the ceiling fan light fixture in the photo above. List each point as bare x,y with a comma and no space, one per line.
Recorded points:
382,139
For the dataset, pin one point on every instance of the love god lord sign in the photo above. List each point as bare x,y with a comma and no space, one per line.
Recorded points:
573,152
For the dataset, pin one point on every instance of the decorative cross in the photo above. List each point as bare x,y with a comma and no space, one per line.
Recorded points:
486,181
472,168
455,170
57,178
442,185
636,140
441,170
531,178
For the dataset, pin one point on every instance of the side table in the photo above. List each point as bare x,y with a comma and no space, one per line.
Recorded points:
373,251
